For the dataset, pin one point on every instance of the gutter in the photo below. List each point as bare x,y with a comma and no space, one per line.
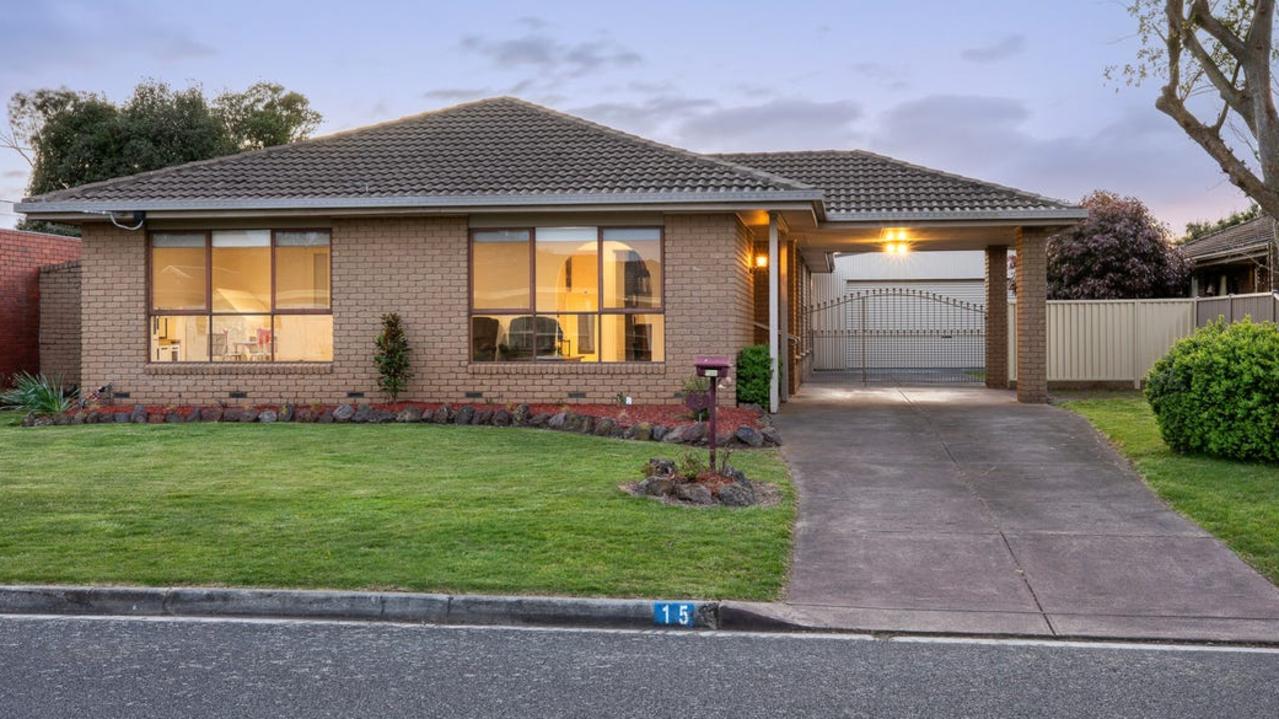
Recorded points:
957,218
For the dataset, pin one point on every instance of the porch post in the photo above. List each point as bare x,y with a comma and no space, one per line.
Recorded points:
783,316
774,319
1032,315
997,316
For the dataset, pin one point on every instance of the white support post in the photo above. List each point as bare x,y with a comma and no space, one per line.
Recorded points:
774,314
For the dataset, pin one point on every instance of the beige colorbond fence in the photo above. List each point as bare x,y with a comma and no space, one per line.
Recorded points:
1119,340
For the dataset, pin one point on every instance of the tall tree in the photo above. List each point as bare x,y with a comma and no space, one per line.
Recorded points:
1120,252
1203,228
1215,59
71,138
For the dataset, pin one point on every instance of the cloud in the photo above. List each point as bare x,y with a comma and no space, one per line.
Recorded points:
456,94
780,124
546,54
886,76
645,116
1003,48
1138,153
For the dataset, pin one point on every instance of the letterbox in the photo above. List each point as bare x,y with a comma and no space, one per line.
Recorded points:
715,366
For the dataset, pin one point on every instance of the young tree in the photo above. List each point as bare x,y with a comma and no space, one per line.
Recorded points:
1120,252
392,358
1215,58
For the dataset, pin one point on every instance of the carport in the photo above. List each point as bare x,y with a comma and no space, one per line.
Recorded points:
877,204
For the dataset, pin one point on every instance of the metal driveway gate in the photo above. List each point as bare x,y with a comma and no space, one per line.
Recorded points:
900,335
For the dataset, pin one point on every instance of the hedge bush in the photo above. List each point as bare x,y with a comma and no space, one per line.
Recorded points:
1216,392
754,372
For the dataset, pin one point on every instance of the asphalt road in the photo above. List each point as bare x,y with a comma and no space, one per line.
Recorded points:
111,667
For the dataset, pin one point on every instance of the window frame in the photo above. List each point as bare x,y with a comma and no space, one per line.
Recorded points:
532,311
152,313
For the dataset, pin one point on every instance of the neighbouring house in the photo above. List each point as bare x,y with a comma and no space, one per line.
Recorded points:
533,255
22,254
1234,261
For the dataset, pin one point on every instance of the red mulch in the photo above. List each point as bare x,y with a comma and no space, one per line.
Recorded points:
670,415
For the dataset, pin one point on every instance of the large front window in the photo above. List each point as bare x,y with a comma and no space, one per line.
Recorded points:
240,296
571,294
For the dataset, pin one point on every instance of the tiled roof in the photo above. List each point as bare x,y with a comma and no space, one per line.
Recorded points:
1240,238
497,147
862,185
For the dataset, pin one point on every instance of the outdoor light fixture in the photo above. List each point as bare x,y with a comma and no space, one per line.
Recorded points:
761,261
895,241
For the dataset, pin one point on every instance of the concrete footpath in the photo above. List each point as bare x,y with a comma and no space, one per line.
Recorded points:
962,511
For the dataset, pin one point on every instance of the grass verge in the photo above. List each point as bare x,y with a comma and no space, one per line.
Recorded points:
1237,502
412,507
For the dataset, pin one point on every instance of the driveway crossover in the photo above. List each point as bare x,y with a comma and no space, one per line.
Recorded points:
961,510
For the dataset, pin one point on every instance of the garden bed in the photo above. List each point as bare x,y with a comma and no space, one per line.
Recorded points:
667,423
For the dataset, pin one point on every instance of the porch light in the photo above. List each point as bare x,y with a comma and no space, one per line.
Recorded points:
761,261
897,248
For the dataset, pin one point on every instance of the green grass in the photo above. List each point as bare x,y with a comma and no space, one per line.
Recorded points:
1236,501
413,507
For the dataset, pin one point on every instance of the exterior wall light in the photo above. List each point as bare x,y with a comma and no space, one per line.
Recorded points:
761,261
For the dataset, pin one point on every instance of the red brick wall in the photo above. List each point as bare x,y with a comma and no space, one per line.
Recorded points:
21,256
418,268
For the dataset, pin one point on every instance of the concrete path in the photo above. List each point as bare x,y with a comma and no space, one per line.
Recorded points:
960,510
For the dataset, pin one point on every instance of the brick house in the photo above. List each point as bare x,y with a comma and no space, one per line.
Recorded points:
1233,261
22,254
533,255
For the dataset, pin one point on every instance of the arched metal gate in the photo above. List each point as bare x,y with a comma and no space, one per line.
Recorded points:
899,335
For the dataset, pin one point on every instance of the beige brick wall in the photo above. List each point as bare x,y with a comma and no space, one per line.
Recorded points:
997,317
418,268
1032,315
60,322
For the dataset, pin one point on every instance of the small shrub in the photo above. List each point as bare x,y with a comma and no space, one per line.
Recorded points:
691,465
754,373
1216,392
697,397
392,358
35,393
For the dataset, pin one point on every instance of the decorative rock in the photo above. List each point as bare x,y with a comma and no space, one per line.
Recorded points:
343,413
192,416
676,435
658,433
502,418
520,416
172,417
138,415
771,436
694,493
40,421
121,417
695,433
558,420
231,414
363,413
736,475
657,486
661,467
465,415
267,416
585,423
409,414
483,416
77,418
211,414
381,416
736,495
287,412
442,414
604,427
152,418
749,436
303,414
539,420
249,414
642,431
325,416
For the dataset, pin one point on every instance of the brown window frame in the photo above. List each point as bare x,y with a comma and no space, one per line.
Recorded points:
208,311
600,310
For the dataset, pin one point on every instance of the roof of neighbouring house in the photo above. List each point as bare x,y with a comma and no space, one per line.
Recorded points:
1239,239
860,185
506,151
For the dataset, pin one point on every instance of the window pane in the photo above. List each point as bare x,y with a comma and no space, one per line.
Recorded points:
177,271
180,338
302,270
500,338
499,270
633,268
633,338
567,269
303,338
572,338
241,338
242,271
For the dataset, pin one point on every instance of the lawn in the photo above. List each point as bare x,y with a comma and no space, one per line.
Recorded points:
411,507
1236,501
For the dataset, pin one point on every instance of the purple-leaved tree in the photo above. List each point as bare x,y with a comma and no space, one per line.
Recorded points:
1120,252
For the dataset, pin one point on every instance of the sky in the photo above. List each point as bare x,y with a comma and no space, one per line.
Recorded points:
1008,91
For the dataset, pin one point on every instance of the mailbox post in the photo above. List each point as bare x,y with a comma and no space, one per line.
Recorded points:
715,369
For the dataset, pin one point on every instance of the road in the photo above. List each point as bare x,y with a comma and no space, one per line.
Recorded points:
137,668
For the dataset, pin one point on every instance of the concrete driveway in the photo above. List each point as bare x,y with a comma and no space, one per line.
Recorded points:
960,510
